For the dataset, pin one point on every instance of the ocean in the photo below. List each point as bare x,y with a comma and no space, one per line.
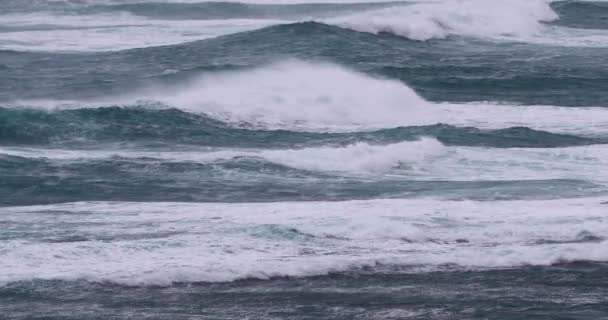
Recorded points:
295,159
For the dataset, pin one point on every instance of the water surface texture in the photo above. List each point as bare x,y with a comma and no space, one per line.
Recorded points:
295,159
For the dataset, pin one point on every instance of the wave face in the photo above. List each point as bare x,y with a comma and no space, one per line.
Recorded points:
446,71
288,159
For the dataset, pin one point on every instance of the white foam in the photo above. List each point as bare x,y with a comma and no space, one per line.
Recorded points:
360,157
161,243
354,158
117,31
317,96
487,115
426,159
515,20
477,18
296,92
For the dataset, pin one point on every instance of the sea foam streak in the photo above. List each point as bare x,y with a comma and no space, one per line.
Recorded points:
161,243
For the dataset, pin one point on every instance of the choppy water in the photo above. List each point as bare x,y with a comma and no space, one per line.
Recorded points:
281,159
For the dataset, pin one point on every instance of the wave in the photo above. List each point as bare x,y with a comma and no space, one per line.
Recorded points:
476,18
444,71
340,290
170,128
575,14
55,32
419,20
291,95
514,21
246,180
225,242
426,158
107,25
295,93
356,157
356,171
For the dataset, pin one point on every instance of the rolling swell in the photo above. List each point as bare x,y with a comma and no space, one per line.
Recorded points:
148,126
438,70
44,181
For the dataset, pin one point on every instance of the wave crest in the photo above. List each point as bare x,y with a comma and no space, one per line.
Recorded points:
294,92
475,18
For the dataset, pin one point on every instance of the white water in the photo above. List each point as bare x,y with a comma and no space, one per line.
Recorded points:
161,243
426,159
297,93
476,18
317,96
115,31
515,20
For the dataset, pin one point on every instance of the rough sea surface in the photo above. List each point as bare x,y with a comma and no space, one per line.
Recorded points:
295,159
